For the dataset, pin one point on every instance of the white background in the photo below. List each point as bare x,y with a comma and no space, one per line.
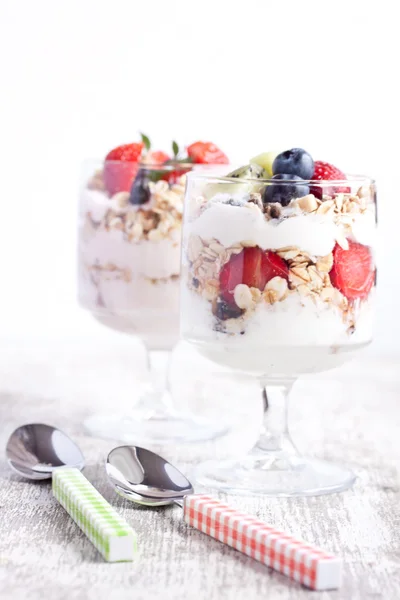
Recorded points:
79,77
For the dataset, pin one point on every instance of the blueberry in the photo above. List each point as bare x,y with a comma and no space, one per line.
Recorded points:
285,192
234,202
296,161
224,311
140,190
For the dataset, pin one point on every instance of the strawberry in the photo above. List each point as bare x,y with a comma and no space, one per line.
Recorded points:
252,267
324,171
353,271
120,167
206,153
180,169
156,157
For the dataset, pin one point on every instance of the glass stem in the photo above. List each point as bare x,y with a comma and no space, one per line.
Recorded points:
274,435
157,399
160,368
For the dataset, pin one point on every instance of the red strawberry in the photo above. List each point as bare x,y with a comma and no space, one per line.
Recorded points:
174,171
252,267
353,271
207,153
119,175
325,171
156,157
180,168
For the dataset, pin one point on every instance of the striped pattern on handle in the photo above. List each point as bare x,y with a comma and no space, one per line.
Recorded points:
302,562
108,532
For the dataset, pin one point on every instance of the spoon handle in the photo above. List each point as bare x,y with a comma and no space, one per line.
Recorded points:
302,562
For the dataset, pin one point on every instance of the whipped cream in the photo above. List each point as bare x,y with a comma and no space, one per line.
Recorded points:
315,234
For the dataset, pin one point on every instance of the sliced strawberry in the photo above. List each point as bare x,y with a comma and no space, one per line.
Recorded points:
353,271
206,153
121,166
253,267
323,171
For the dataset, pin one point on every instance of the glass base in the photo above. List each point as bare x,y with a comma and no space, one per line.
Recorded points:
144,427
267,476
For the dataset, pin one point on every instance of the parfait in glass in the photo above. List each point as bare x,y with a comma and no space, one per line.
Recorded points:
130,224
278,280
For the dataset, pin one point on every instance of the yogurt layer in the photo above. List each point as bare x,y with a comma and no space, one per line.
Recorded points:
294,322
315,234
150,259
294,336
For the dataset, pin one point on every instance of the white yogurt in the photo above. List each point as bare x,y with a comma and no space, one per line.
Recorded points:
296,327
150,259
96,203
141,307
129,286
315,234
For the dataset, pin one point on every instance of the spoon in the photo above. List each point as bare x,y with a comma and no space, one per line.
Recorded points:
36,450
146,478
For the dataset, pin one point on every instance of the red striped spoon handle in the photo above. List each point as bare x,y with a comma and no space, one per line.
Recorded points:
302,562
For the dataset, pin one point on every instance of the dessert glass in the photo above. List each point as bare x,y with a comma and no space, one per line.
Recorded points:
128,278
307,306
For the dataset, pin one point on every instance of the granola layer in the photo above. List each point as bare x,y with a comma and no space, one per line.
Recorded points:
156,220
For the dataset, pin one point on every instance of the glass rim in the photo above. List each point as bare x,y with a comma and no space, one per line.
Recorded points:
351,180
170,166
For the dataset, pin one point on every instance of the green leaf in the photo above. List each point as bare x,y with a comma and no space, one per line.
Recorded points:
155,175
146,141
183,160
175,148
151,174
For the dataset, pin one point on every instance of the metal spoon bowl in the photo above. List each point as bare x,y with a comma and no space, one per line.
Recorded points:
34,451
146,478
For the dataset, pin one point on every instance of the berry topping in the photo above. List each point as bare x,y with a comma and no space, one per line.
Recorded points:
140,190
324,171
295,161
285,192
206,153
353,271
253,267
223,311
265,160
152,157
121,167
156,157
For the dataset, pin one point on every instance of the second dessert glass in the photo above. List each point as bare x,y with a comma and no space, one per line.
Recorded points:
278,280
128,278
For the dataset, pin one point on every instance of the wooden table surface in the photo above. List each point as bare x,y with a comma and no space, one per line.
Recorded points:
351,415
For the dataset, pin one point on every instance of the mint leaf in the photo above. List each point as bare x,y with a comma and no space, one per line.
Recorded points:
156,175
178,161
146,141
175,148
153,175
